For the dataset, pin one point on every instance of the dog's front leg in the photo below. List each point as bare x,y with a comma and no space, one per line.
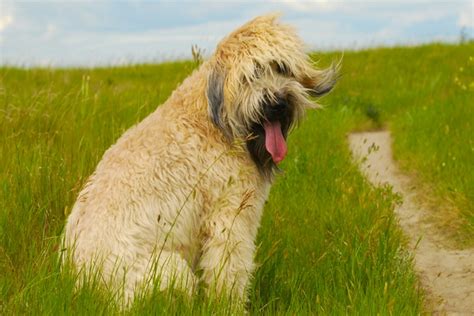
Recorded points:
228,250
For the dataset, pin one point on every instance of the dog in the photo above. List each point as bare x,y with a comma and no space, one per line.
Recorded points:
177,200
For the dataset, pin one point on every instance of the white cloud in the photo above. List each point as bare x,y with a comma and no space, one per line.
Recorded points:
421,15
5,21
93,34
309,5
466,16
50,32
6,14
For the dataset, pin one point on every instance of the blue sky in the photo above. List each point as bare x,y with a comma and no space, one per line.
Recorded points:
87,33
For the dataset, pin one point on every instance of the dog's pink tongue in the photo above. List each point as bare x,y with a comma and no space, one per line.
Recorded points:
274,141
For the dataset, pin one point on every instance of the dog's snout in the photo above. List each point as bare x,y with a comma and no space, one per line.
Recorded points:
281,105
277,109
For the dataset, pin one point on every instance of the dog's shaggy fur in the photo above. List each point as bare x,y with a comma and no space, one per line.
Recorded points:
181,194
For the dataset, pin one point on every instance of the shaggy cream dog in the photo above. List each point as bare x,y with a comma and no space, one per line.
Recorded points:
183,191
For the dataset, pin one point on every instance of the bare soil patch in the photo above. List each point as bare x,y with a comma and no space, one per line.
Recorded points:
446,274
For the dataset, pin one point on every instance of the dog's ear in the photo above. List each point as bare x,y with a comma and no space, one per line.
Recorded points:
322,81
215,99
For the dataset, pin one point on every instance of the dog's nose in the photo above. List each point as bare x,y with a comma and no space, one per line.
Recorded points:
281,104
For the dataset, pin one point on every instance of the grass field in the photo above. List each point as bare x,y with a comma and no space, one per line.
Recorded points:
424,95
328,243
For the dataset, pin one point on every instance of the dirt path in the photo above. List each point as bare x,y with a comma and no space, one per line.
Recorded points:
447,275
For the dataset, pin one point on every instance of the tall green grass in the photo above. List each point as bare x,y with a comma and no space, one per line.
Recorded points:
328,244
424,95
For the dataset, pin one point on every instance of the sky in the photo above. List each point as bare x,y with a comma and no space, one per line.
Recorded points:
101,32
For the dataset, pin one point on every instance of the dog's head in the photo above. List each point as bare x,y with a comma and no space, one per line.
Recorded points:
258,87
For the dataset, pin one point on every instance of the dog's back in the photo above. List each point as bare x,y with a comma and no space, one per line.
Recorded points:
125,213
